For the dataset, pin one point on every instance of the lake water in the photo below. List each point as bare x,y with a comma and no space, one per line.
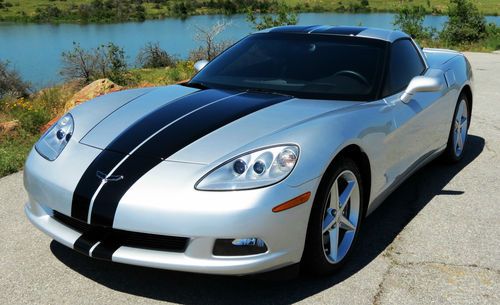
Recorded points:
35,49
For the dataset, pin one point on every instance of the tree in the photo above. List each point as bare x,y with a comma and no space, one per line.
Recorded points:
153,56
411,21
11,83
210,45
281,16
77,63
465,23
105,61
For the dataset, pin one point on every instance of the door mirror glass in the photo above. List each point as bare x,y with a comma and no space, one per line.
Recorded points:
421,84
200,65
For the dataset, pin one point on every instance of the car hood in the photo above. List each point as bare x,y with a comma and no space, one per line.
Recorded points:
182,124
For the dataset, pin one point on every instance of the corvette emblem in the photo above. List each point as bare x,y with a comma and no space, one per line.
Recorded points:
105,178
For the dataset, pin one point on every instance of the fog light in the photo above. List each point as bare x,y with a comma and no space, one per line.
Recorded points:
239,247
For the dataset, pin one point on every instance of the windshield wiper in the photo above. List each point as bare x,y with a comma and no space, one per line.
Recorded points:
197,85
263,90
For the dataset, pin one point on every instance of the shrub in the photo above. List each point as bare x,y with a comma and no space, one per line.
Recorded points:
11,83
105,61
465,23
411,21
153,56
282,15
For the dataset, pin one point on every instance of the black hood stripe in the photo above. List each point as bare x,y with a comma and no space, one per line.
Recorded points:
169,141
154,138
129,139
144,128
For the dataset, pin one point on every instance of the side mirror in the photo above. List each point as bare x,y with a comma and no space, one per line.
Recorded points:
421,84
200,64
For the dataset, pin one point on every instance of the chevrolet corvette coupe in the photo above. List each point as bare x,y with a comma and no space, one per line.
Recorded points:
272,155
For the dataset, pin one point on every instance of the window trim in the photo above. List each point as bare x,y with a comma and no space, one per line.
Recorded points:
388,63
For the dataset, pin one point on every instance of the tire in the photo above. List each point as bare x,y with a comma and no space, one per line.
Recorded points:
457,137
319,256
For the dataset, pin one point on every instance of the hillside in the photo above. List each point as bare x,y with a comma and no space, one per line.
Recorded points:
83,11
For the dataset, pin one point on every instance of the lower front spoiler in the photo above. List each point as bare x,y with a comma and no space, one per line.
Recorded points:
252,264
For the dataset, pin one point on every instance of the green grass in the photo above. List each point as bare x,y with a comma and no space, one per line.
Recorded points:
162,76
25,10
13,151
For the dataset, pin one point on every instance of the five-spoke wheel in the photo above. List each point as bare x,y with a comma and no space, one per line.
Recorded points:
341,216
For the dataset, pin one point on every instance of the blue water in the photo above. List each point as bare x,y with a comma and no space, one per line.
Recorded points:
35,49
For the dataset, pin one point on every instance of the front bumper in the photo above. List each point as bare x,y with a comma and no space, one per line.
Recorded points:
176,209
197,257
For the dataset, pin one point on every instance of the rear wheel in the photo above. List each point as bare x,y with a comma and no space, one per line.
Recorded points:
335,220
459,130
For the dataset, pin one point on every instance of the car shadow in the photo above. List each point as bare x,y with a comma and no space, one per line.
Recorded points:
379,231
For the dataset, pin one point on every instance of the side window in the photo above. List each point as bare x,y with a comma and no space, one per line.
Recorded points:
405,63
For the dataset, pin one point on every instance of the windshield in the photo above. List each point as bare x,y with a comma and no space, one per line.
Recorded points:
306,66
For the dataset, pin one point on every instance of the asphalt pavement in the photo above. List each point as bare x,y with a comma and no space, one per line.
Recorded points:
436,240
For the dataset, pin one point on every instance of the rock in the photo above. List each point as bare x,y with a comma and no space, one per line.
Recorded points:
93,90
6,127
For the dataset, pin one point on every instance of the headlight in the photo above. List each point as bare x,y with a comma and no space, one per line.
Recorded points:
53,141
256,169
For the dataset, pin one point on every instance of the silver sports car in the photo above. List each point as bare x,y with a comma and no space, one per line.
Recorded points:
271,156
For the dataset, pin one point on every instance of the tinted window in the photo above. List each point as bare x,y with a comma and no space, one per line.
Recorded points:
405,63
307,66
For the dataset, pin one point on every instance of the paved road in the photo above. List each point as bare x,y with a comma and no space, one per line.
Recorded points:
436,240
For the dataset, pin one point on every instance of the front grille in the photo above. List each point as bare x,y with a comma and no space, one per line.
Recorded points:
126,238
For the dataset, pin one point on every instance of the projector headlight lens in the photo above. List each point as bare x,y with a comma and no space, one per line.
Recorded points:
255,169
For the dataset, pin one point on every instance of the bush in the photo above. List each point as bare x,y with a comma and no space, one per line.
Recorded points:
282,15
11,83
411,21
465,23
105,61
153,56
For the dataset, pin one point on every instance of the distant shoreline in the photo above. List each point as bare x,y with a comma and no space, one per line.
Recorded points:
83,12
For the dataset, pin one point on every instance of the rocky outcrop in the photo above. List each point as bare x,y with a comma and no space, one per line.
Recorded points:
92,90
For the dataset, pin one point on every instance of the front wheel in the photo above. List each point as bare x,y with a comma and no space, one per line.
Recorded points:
459,130
335,219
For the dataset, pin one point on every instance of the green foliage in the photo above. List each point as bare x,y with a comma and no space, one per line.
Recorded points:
105,61
11,83
228,7
181,71
411,21
465,23
281,15
153,56
360,6
31,120
14,148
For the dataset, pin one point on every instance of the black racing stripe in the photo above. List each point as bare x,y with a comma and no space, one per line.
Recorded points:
146,126
130,139
105,250
169,141
85,242
107,200
89,183
342,30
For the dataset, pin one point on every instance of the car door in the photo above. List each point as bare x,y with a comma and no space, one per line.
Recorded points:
411,139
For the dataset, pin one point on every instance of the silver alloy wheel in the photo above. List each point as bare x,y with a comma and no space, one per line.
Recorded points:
341,216
460,128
